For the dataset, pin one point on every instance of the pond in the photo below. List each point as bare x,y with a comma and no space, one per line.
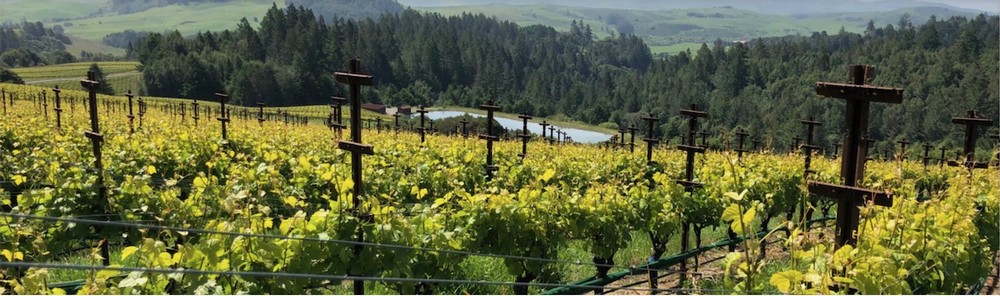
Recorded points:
578,135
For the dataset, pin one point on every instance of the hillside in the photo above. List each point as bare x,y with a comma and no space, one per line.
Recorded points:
680,29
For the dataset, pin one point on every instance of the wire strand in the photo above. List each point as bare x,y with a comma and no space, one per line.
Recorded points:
354,243
293,275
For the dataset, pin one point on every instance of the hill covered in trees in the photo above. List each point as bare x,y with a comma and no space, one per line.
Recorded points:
946,66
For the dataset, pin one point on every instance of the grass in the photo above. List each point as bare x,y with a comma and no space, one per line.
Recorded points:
79,45
561,123
187,19
674,49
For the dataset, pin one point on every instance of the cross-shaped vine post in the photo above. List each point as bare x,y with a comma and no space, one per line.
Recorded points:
704,139
223,115
688,182
260,113
489,137
552,134
544,126
525,135
650,138
423,118
972,125
741,136
354,79
395,122
996,141
131,116
194,112
849,197
631,131
338,114
902,148
142,110
927,155
797,142
45,105
58,108
430,122
942,160
465,122
809,147
96,139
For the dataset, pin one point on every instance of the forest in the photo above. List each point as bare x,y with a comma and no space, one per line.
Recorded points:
765,85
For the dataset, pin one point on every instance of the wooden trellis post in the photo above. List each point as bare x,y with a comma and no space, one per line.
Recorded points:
378,124
45,105
836,149
223,115
797,142
927,155
704,139
859,96
395,122
423,117
465,122
338,114
260,113
355,80
742,137
3,94
142,110
525,135
650,138
902,149
489,137
96,139
194,111
972,125
431,123
552,134
58,108
131,116
544,126
631,131
996,141
688,182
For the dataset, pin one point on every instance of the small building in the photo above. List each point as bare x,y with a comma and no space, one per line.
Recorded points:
405,110
378,108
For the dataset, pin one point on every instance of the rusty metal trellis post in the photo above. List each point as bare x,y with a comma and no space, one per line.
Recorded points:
96,139
972,125
859,97
355,80
525,135
489,137
689,185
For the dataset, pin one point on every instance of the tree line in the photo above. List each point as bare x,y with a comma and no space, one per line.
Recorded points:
764,85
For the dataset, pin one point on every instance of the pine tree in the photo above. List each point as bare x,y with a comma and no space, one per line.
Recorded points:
105,87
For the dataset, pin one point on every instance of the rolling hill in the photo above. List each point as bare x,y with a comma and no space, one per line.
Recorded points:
675,30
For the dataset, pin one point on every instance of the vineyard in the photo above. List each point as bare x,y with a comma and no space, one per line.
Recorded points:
172,207
122,76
